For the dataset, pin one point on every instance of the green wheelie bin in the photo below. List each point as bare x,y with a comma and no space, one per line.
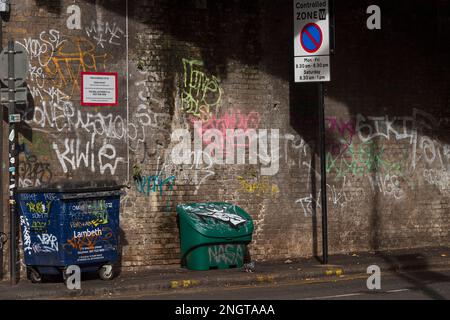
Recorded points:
213,235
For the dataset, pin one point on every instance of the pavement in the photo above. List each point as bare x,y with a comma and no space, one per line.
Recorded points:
266,273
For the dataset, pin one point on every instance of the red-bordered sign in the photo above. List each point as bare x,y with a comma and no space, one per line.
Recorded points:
99,89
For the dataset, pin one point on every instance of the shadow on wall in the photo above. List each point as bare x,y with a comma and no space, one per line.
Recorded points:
54,7
373,72
3,244
27,111
122,242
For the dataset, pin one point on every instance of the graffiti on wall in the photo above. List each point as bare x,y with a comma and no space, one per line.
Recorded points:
340,196
439,178
201,94
260,188
154,184
159,184
75,156
361,148
340,135
105,33
56,61
416,130
360,160
33,173
235,120
43,48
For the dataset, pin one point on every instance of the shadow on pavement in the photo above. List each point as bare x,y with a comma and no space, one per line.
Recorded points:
419,280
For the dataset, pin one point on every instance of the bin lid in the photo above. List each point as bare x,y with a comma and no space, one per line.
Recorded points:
71,187
217,219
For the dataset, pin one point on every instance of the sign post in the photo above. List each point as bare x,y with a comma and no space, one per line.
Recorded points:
12,163
13,70
312,64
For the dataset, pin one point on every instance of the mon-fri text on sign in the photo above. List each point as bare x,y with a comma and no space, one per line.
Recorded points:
311,41
99,89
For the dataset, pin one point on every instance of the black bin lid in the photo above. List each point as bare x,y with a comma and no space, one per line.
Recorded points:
74,187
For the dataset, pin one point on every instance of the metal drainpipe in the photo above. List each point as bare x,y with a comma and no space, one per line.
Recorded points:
1,159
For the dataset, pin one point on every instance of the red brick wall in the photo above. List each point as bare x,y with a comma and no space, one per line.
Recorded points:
388,143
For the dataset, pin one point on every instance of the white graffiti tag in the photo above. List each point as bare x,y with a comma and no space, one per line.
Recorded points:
26,234
49,243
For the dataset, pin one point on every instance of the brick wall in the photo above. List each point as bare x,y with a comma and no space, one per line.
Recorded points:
387,120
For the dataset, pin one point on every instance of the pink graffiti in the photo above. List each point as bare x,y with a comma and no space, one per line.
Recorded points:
341,133
234,119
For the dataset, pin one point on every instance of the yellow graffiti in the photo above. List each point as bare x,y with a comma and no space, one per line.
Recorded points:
200,93
93,223
259,188
39,207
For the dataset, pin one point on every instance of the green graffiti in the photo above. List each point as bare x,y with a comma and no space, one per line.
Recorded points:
359,161
141,63
137,173
200,93
100,211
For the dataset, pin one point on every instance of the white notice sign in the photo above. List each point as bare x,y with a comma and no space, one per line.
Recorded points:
312,69
99,89
311,40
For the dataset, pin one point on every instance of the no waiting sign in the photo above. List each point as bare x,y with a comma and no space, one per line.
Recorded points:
311,41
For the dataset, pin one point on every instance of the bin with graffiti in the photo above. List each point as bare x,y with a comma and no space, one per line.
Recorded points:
213,235
70,225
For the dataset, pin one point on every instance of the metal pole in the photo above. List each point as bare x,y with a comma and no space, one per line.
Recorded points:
332,29
12,165
323,174
1,158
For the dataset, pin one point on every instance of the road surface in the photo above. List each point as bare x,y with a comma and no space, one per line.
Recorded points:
411,286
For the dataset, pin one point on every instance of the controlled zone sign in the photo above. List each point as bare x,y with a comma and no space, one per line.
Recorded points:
311,41
99,89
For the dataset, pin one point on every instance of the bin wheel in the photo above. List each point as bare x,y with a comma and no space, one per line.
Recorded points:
106,272
33,275
64,275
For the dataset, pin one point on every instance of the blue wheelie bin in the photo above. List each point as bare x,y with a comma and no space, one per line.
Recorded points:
65,225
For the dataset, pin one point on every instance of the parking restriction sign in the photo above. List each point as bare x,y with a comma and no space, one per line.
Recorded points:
311,41
311,37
